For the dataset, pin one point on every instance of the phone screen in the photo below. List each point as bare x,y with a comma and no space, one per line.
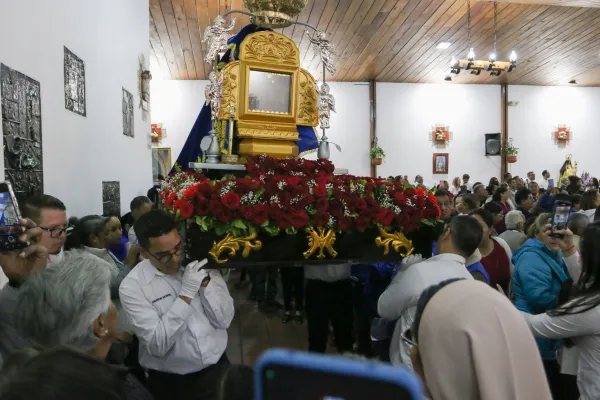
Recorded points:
284,382
9,220
561,217
550,183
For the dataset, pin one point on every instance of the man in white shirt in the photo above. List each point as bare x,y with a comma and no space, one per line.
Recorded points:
399,301
329,299
180,315
466,183
544,182
139,206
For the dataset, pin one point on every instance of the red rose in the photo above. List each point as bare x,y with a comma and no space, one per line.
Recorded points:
298,219
225,215
362,224
185,209
385,216
421,192
321,219
322,205
360,204
292,180
320,190
231,200
410,192
400,198
261,214
432,198
189,192
202,207
170,200
247,212
344,223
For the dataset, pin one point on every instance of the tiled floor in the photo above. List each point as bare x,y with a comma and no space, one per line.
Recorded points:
253,332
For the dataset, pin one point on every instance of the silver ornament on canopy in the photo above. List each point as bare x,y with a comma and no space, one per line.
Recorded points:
325,103
216,36
323,46
213,93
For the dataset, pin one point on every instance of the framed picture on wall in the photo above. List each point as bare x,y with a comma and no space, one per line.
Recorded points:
440,163
161,162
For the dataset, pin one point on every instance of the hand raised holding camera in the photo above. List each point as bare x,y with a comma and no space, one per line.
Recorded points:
18,265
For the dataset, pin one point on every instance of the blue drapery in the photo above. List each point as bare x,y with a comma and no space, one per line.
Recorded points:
191,150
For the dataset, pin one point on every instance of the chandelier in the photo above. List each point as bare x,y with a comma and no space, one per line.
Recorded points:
493,66
274,13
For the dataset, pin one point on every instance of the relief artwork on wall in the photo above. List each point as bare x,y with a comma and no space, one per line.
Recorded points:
74,83
22,128
440,163
111,198
127,114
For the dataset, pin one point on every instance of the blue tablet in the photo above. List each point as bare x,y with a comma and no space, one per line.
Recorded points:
293,375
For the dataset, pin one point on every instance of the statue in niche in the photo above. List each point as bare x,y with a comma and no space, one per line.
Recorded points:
325,103
568,169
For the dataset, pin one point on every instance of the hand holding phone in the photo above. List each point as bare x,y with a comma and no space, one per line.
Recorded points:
9,219
19,264
560,218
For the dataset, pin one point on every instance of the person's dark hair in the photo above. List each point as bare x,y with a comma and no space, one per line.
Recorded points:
160,177
83,228
138,202
512,180
441,193
544,172
576,200
154,224
594,182
33,206
522,195
564,167
466,234
485,215
494,181
497,197
476,187
587,290
493,207
58,374
588,200
466,176
471,201
423,301
506,175
236,383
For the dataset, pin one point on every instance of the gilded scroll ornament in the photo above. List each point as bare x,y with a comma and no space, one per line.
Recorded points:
321,239
396,241
231,245
229,91
307,105
216,36
271,48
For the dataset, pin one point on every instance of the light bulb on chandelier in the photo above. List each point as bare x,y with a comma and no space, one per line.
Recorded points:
471,55
513,57
492,57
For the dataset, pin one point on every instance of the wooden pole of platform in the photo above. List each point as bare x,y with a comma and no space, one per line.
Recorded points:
504,122
373,120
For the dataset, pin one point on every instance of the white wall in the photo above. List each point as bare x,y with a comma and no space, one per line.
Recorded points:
540,110
81,152
176,104
407,112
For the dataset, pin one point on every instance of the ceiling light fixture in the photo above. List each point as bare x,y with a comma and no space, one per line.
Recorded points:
494,67
443,45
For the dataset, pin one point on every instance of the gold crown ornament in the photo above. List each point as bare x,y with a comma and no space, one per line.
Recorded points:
274,13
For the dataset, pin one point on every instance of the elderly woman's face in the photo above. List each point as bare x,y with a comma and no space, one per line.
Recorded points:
549,241
106,326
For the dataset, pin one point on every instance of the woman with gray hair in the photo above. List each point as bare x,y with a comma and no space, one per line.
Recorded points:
69,304
514,235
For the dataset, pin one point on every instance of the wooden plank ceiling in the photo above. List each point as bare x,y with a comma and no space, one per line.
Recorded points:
396,40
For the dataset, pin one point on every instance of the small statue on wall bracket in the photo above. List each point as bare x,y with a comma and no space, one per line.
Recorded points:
144,78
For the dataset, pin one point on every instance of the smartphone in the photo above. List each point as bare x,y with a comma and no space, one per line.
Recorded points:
560,217
551,183
294,375
10,230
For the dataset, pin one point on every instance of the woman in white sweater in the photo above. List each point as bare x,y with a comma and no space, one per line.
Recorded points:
579,318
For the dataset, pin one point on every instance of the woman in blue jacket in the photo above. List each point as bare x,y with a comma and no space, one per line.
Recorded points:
539,274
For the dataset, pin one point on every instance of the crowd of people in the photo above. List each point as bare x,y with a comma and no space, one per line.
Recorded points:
102,307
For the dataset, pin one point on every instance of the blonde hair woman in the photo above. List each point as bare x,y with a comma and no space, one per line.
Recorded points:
455,188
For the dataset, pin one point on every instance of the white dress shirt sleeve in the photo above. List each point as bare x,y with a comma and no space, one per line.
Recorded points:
564,326
158,334
397,297
574,266
216,301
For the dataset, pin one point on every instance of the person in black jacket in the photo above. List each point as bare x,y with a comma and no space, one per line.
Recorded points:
153,193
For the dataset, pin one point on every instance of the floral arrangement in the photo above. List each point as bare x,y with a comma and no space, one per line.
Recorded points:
586,178
290,195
